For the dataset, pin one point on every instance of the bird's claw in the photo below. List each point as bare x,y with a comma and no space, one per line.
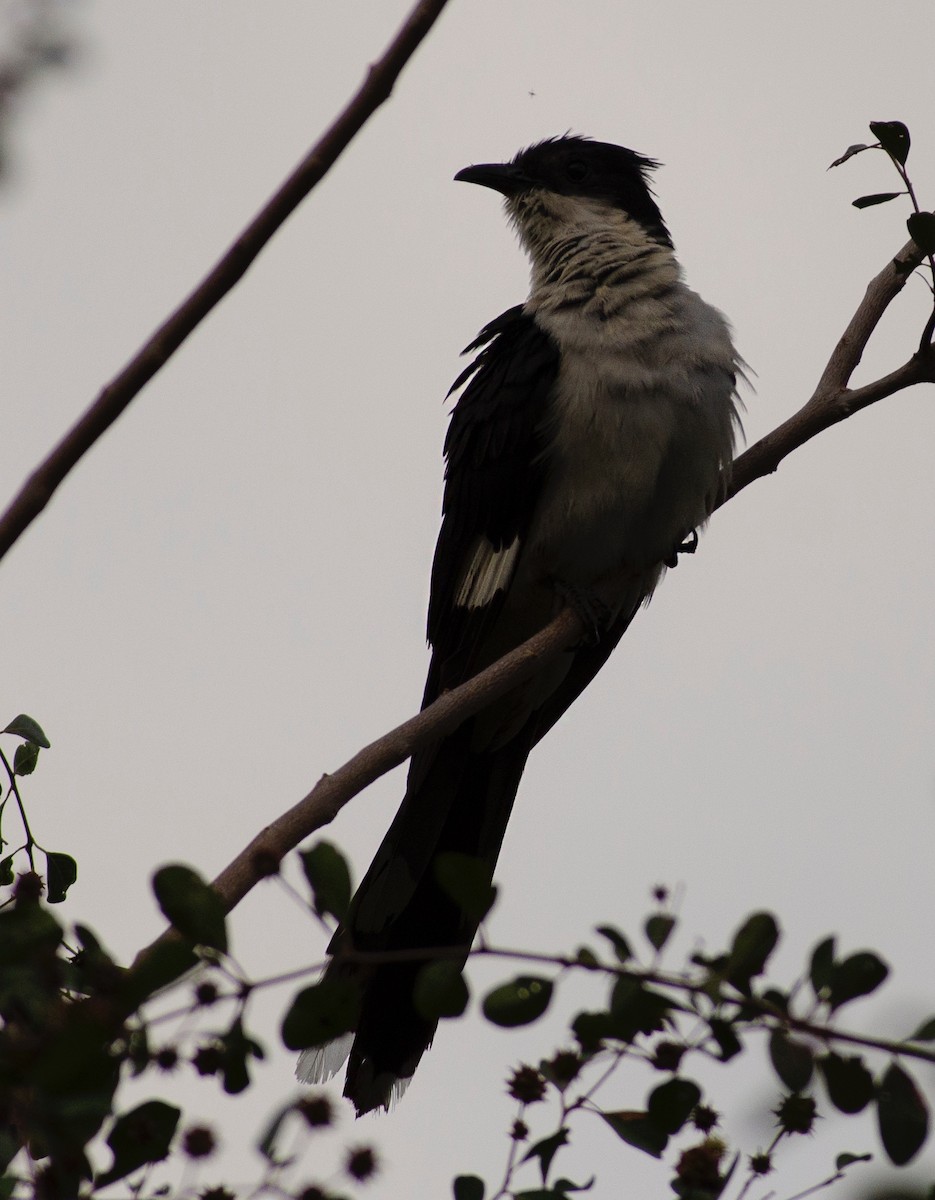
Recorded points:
593,613
689,546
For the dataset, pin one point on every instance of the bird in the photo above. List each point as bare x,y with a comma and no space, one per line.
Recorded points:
591,440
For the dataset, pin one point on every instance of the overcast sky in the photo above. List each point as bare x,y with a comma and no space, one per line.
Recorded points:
227,597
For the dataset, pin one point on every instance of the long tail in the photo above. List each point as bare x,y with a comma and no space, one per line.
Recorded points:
458,799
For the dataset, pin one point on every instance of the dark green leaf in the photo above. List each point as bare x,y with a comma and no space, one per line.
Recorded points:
779,1000
727,1040
893,137
791,1060
25,758
328,875
164,962
671,1103
140,1137
638,1130
546,1150
468,1187
636,1009
617,940
6,871
925,1032
236,1049
440,990
753,943
849,1083
61,871
819,971
845,1160
321,1013
192,906
563,1186
519,1002
902,1114
875,198
658,928
29,730
849,153
921,228
466,880
267,1143
591,1028
858,975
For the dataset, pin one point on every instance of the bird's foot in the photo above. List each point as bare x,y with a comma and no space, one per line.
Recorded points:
689,546
592,612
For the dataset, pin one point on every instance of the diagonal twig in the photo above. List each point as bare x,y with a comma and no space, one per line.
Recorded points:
229,269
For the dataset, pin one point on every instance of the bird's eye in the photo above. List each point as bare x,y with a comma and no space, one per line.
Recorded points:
576,170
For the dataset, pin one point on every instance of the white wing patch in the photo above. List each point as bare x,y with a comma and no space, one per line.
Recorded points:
488,571
319,1063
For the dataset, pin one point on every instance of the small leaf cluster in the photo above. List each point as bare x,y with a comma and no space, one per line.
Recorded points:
894,140
61,870
711,1008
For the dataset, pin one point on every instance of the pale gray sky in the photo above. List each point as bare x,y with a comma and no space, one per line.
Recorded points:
227,596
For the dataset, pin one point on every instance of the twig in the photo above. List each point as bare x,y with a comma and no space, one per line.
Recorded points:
833,400
38,489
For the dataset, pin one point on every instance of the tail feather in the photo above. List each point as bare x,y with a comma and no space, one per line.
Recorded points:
458,800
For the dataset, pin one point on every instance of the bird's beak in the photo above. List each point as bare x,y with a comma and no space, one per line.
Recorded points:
505,178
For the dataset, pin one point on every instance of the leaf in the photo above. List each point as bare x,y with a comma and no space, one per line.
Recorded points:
921,228
267,1143
29,730
893,137
791,1060
925,1032
321,1013
546,1150
727,1040
848,1082
6,871
658,929
671,1103
902,1114
440,990
25,758
617,940
237,1047
819,971
466,881
191,905
519,1002
753,943
858,975
61,871
636,1129
845,1160
875,198
636,1009
468,1187
140,1137
563,1186
849,153
328,875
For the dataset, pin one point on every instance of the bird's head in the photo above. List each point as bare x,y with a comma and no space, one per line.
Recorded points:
567,179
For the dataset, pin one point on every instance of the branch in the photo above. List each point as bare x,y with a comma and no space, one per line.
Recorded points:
38,489
333,791
833,400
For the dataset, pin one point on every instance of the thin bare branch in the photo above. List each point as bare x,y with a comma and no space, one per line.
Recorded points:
332,792
832,400
230,268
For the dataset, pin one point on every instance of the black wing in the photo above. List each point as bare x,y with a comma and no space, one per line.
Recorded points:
493,477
